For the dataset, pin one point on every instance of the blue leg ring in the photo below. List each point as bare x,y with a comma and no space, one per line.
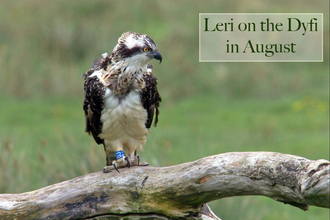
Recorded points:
120,154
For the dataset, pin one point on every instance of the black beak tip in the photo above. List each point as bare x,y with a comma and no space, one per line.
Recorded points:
158,56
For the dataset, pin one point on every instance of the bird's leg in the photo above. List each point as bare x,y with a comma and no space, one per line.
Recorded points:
115,159
110,156
121,160
134,160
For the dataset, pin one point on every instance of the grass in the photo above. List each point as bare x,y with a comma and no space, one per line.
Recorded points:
208,108
45,142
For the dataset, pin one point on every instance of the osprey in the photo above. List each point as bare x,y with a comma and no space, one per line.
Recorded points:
121,99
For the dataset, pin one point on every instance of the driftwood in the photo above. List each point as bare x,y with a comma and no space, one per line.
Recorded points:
179,191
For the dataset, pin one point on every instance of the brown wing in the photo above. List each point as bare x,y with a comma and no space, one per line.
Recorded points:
94,102
93,106
150,98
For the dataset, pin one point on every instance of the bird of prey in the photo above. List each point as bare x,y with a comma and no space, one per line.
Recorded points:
121,99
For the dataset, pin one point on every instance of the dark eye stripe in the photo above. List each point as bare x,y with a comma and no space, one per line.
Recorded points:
125,52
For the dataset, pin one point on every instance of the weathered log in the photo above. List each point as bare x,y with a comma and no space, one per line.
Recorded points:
177,191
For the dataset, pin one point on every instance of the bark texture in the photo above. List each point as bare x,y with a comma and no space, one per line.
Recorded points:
175,192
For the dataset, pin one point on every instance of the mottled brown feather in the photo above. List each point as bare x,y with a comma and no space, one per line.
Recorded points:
150,98
93,104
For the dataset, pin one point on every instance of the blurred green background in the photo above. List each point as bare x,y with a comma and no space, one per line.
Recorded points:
207,108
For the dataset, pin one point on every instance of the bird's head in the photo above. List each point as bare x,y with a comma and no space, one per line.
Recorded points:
135,49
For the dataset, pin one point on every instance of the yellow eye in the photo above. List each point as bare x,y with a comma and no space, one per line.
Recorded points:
146,49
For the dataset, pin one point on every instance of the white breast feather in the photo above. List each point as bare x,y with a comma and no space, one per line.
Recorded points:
124,121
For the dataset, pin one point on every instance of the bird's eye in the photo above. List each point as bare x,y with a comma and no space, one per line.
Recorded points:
146,49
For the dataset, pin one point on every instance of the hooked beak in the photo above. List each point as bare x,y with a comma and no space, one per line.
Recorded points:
158,56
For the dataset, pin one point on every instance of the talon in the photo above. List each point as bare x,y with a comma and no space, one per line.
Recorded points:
106,169
114,166
138,159
128,163
144,164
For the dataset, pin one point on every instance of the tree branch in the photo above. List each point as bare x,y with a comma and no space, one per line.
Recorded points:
177,191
